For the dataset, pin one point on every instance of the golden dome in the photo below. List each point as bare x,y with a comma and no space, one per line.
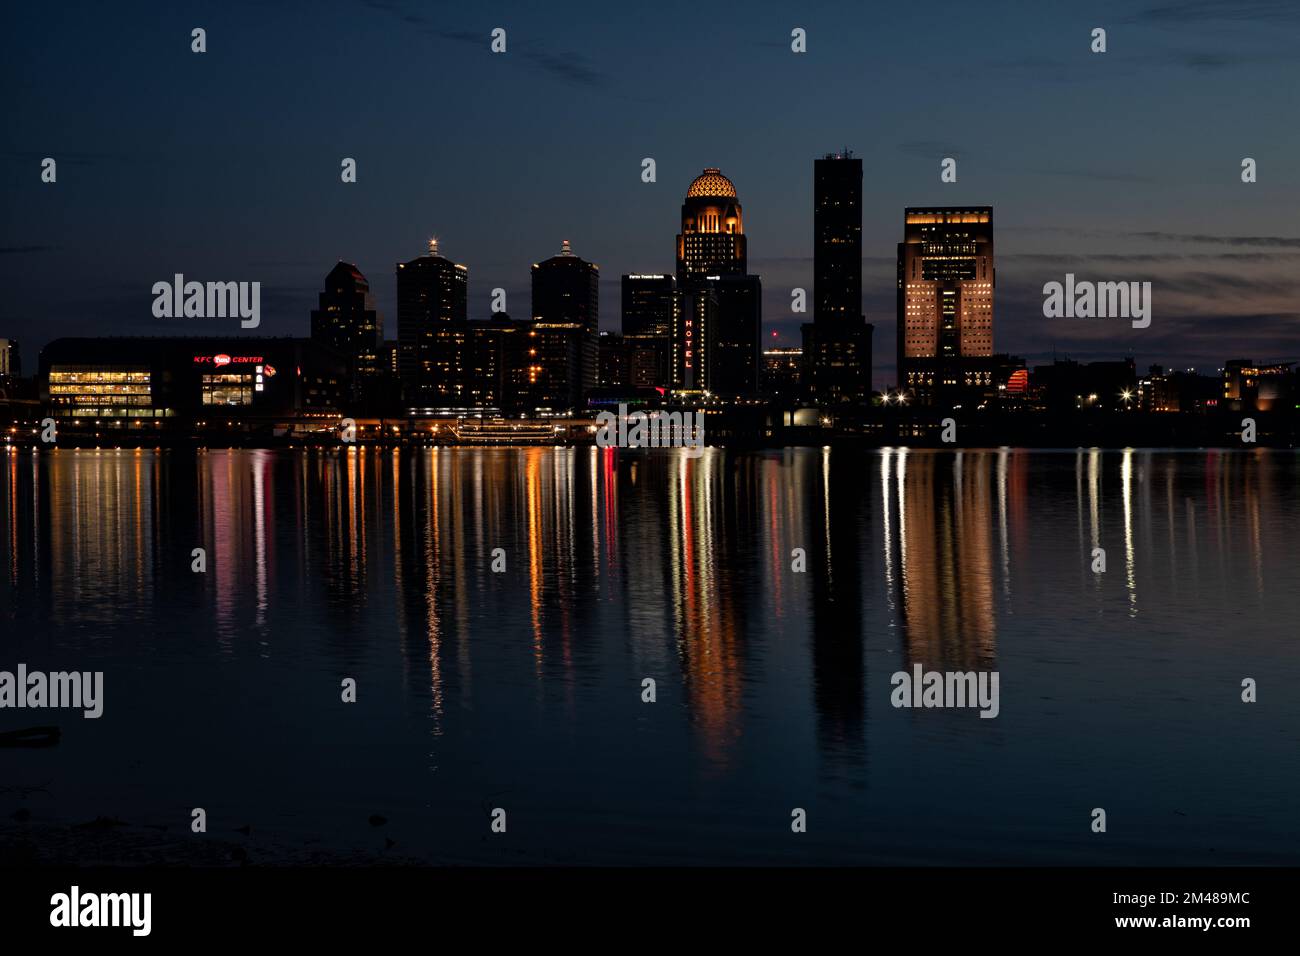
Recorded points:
711,182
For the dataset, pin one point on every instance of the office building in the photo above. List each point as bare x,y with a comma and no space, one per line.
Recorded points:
345,320
650,310
432,296
945,303
140,382
566,301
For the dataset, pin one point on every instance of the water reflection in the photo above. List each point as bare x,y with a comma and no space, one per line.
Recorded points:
944,511
758,588
682,547
837,518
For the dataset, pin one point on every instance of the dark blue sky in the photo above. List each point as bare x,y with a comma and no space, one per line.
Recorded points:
225,166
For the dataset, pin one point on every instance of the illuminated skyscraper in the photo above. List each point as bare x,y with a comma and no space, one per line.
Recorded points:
716,337
566,300
712,240
566,291
432,295
648,305
945,302
651,307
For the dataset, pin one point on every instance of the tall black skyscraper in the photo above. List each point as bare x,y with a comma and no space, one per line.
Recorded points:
837,343
735,360
432,295
566,291
346,321
566,300
837,239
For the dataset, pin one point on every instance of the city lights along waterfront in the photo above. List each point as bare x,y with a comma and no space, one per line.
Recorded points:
690,342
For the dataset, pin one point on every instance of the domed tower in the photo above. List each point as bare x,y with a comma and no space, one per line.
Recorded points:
712,240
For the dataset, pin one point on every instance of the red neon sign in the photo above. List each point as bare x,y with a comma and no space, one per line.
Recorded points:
221,358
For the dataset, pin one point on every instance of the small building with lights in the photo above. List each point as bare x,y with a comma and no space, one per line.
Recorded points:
141,383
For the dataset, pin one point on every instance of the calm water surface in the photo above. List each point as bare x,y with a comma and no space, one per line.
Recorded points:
522,689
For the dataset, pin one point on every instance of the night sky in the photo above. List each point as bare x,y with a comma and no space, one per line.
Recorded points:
225,165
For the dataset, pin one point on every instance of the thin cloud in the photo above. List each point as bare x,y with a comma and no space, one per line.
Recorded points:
1102,175
1277,242
930,147
21,250
1209,11
68,157
1041,69
566,66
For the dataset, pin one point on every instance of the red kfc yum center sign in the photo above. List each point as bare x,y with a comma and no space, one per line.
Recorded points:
221,359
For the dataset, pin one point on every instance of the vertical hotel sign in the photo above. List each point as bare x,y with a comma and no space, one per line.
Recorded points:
689,348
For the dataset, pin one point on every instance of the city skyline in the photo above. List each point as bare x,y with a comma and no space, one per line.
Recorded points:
1124,197
693,337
